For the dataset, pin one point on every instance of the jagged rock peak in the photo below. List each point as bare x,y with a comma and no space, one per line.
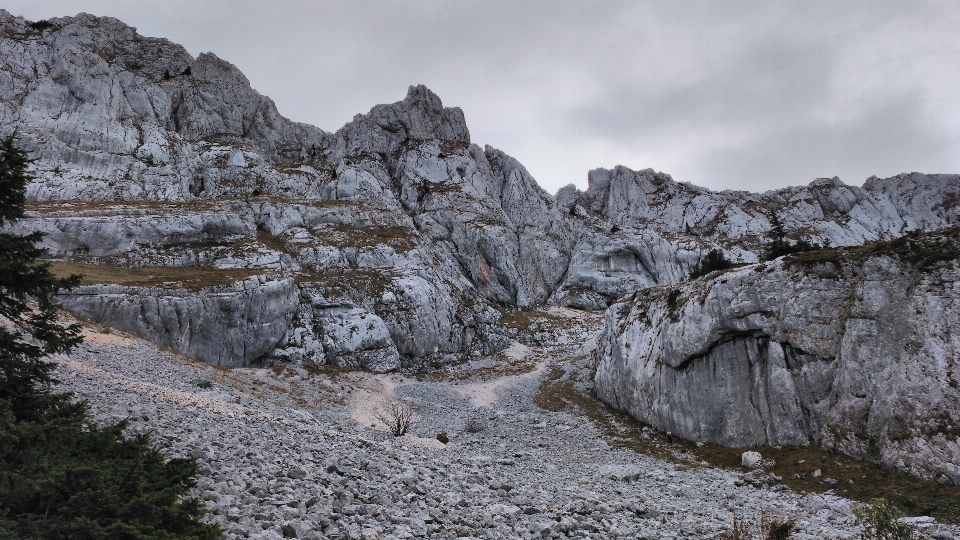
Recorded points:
135,117
421,115
824,210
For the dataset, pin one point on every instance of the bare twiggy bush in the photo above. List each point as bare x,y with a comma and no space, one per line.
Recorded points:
740,531
396,415
774,527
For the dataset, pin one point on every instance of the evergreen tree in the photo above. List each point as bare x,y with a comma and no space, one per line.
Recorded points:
26,288
779,245
715,260
61,476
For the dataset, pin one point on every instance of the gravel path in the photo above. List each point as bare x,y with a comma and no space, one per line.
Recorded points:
290,453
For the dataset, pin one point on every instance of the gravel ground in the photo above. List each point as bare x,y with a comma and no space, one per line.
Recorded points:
294,453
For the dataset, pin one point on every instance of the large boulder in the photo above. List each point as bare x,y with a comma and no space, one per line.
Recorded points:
853,349
233,325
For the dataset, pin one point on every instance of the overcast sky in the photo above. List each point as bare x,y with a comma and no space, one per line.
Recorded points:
728,95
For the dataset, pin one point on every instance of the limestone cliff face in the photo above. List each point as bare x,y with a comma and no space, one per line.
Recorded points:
855,349
229,325
642,228
111,114
402,234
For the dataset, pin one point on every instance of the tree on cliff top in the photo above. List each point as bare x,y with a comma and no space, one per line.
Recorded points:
715,260
779,245
61,476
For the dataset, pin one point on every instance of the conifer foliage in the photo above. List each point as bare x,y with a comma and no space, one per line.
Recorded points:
780,246
61,476
715,260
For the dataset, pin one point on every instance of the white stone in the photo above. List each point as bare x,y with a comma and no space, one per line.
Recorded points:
751,459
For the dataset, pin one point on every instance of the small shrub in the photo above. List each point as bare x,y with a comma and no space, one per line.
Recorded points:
879,521
442,437
673,297
40,25
740,531
774,527
475,425
780,246
715,260
397,416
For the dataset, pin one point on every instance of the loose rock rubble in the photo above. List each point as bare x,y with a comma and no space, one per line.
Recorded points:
290,454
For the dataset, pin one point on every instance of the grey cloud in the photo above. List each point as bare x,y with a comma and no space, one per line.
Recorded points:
773,82
883,140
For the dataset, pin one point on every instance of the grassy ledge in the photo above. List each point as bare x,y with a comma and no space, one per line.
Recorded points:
190,278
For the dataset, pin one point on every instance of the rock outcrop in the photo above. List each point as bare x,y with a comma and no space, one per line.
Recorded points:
639,229
826,210
854,349
403,238
228,325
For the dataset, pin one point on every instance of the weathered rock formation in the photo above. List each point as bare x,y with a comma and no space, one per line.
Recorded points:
856,349
228,325
403,239
643,228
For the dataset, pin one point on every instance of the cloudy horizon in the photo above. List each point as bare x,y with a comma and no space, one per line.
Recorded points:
727,95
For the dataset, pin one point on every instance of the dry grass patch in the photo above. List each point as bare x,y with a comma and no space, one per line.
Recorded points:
272,241
48,207
559,391
190,278
346,236
521,320
855,479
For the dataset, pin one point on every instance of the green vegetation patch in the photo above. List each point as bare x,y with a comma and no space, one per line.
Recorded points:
924,251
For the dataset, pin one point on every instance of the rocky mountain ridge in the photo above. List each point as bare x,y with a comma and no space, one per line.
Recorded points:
851,349
402,238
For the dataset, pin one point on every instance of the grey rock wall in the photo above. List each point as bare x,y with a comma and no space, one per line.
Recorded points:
396,219
825,210
859,352
231,325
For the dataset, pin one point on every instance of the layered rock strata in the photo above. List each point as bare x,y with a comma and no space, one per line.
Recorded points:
403,238
229,325
853,349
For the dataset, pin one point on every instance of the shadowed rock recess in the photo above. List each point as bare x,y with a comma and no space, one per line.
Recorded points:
209,223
